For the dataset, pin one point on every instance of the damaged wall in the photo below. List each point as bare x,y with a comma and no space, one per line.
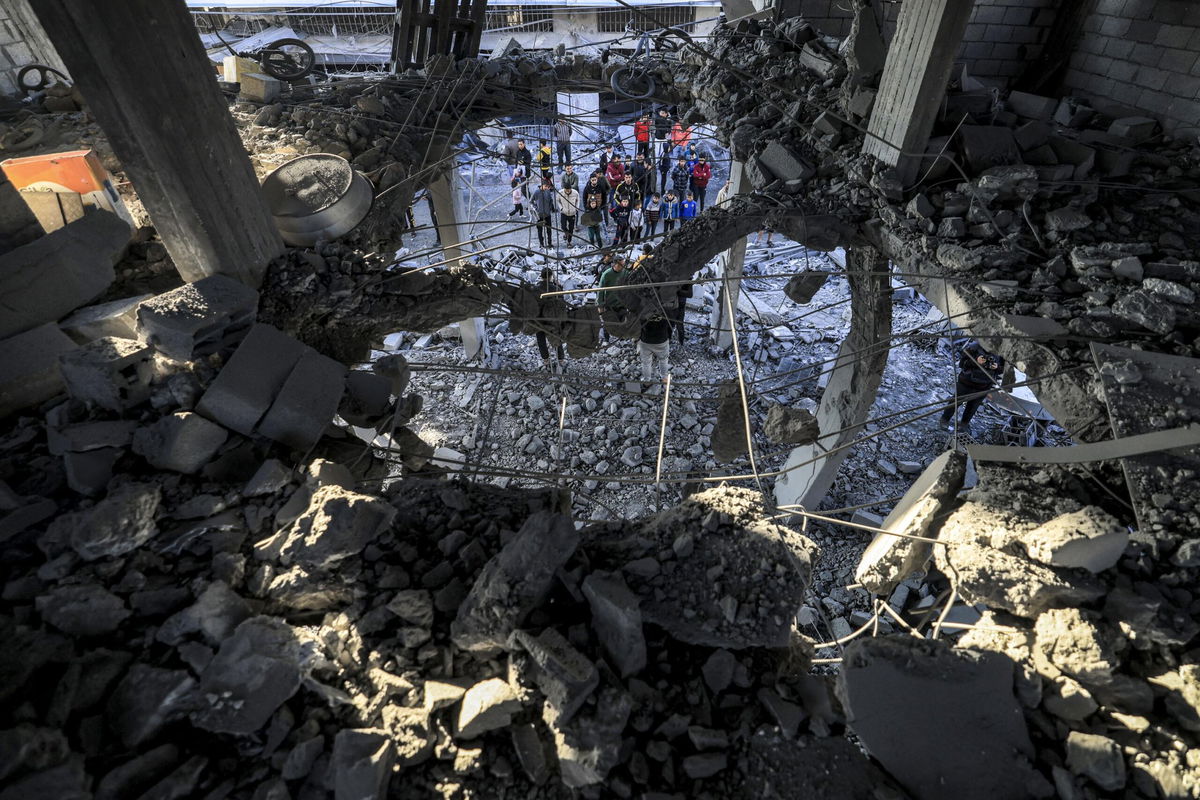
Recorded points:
22,41
1144,53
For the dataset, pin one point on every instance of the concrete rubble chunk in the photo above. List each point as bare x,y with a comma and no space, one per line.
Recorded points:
1137,129
55,274
362,764
564,675
1032,106
147,699
986,146
248,383
368,397
181,442
589,746
29,371
442,694
786,425
514,582
1097,758
216,614
1146,310
306,403
617,620
889,559
116,318
85,610
123,521
336,525
784,164
1090,539
269,478
138,774
531,752
1067,219
486,706
801,289
110,373
1073,642
90,436
1175,292
198,319
254,672
906,698
718,670
1067,699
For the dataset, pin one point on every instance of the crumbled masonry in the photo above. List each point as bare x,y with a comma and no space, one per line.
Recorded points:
212,586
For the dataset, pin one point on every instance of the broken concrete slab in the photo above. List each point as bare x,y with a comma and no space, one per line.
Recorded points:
617,620
801,288
986,146
486,706
306,403
362,764
249,382
589,746
1032,106
55,274
85,610
514,582
181,442
255,671
906,698
1090,539
564,675
337,524
110,373
784,164
889,559
90,436
29,372
786,425
198,319
1097,758
116,318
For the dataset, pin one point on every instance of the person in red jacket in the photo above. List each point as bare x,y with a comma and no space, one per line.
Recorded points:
680,135
614,173
641,135
701,174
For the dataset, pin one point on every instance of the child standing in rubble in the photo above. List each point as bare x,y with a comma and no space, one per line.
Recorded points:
670,211
687,209
636,220
518,192
652,208
590,220
620,216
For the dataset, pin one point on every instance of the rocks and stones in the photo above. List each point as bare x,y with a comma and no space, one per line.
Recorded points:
182,442
146,700
801,289
123,521
831,768
564,675
906,698
254,672
486,706
85,610
1073,642
589,746
718,670
514,582
1097,758
617,620
361,764
1145,310
890,559
531,752
729,435
337,524
114,318
1088,539
791,426
215,615
29,372
198,318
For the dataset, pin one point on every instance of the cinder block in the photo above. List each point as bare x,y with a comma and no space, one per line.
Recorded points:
1143,30
1135,129
1151,78
19,53
306,403
1032,106
259,88
999,33
1019,15
245,388
111,373
784,164
53,275
987,13
1118,48
988,146
199,318
1114,26
29,371
1178,61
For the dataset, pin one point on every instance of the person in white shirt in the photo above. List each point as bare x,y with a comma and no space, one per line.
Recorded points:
568,208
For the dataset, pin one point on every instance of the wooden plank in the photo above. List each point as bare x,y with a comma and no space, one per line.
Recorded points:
402,35
445,15
919,60
151,87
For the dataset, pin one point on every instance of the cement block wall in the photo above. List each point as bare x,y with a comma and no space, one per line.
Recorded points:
22,42
1144,54
1001,36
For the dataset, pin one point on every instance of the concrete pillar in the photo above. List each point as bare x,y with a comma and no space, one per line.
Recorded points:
730,264
446,195
919,60
152,88
853,384
584,110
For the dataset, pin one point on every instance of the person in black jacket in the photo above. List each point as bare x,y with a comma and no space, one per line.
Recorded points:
682,293
979,373
524,158
654,342
662,130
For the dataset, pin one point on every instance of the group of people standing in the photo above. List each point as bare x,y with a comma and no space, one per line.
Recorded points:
617,199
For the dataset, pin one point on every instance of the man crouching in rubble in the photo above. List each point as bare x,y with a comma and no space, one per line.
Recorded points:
979,373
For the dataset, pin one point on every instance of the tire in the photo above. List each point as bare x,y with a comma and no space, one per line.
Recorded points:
671,40
287,64
632,84
44,74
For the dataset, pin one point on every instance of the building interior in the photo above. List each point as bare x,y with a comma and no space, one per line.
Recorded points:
350,449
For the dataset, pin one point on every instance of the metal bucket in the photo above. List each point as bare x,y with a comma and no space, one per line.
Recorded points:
317,198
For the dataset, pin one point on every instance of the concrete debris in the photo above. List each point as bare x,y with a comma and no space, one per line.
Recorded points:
617,620
1088,539
362,764
486,706
29,371
791,425
84,611
121,522
514,582
1097,758
182,442
589,746
110,373
116,318
337,524
906,698
197,319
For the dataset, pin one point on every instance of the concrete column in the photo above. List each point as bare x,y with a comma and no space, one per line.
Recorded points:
730,264
584,110
919,60
152,88
446,195
853,384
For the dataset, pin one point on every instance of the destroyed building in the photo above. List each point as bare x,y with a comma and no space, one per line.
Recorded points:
291,508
